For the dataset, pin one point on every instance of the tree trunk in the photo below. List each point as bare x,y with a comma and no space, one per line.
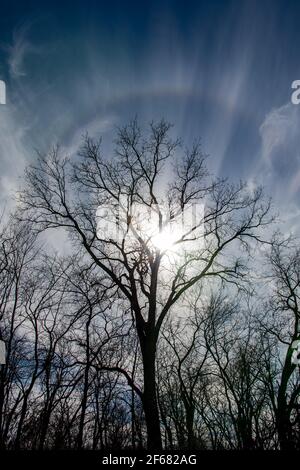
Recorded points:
45,426
150,403
2,378
83,408
17,443
284,428
190,412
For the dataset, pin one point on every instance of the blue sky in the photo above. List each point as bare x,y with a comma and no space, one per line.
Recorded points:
219,70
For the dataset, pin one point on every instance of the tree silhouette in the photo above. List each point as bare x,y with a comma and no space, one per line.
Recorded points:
127,213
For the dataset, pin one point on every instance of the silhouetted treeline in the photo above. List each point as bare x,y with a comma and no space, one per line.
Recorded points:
126,342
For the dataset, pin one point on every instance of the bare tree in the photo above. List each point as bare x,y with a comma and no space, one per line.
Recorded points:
183,371
282,323
17,252
238,351
149,178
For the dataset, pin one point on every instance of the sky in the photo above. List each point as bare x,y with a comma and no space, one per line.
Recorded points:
218,70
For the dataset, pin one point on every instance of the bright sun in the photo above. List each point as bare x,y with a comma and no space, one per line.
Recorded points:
166,240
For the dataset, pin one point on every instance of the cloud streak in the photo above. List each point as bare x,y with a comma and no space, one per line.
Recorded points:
19,50
201,70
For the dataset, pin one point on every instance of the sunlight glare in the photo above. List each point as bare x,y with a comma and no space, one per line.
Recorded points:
166,240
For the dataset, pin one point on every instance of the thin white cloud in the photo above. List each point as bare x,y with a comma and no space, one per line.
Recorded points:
19,50
95,128
278,129
279,167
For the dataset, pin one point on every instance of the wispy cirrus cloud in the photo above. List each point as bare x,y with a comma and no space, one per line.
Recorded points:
279,128
279,166
18,51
